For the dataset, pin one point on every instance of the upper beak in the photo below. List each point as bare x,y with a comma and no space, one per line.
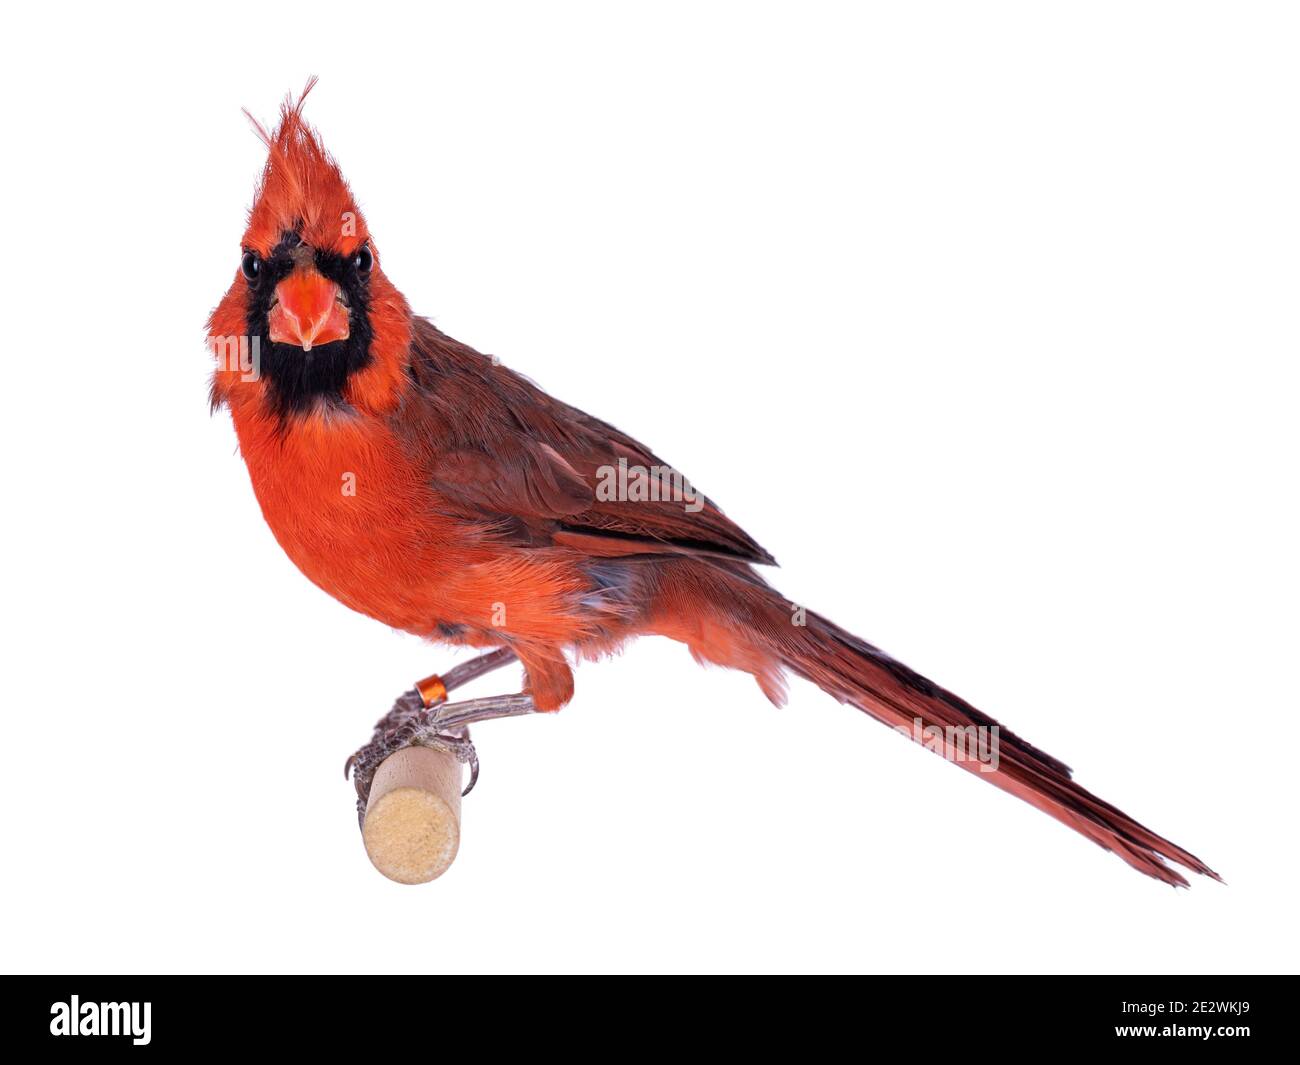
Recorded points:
308,309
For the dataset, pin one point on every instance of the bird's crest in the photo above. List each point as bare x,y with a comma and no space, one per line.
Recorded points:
302,189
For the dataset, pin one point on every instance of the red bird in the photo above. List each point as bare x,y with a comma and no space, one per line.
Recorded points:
424,484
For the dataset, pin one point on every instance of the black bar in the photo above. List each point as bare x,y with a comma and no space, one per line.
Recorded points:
348,1014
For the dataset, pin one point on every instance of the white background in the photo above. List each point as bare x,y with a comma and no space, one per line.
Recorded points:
982,318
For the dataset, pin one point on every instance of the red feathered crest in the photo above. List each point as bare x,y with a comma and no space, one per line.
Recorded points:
302,188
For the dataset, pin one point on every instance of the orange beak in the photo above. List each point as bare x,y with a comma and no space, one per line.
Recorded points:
308,310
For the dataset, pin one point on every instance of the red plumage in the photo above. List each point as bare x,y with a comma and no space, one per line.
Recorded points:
477,514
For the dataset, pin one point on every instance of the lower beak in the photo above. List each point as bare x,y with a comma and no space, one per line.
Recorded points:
308,310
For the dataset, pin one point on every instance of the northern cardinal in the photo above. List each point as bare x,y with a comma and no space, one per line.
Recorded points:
422,483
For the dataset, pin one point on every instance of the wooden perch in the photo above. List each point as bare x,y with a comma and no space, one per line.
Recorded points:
412,823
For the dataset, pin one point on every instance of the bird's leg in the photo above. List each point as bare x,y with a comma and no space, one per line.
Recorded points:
433,690
423,717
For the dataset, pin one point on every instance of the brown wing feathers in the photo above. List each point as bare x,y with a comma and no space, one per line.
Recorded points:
498,444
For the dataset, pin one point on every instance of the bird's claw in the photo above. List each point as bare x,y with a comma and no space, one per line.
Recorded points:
461,748
409,724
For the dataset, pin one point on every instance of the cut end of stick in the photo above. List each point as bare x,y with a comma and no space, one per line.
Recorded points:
412,825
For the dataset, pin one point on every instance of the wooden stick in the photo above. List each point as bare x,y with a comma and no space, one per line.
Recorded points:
412,825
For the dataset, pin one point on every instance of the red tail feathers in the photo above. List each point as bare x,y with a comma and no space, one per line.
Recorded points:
857,673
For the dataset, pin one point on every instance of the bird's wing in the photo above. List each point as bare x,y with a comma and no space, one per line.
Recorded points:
499,449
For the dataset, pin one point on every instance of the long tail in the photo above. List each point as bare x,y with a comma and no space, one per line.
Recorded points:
735,619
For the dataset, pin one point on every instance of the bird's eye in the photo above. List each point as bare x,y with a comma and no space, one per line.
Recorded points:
363,260
251,265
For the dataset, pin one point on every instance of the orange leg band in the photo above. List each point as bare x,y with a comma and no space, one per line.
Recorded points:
432,690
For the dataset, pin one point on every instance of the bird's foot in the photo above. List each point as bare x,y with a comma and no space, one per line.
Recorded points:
441,726
410,717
